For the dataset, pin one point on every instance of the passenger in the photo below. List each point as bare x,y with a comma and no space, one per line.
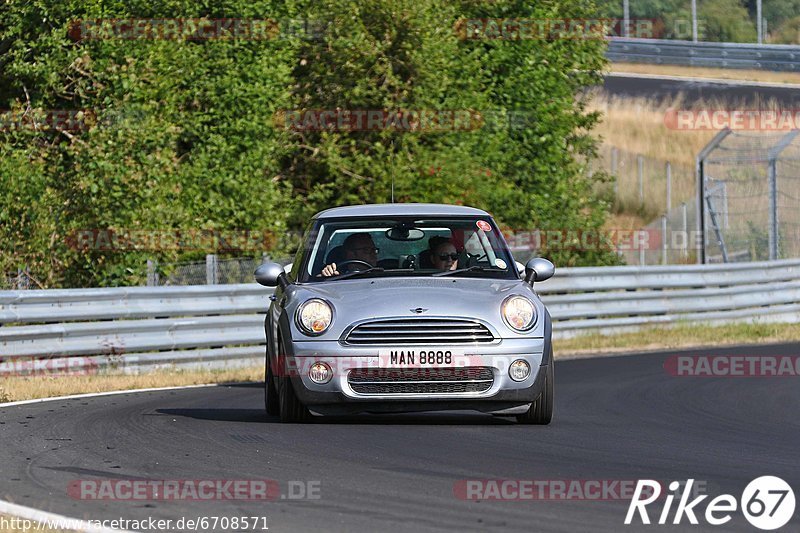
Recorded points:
443,253
357,247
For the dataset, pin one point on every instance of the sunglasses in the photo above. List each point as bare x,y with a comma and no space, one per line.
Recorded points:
445,257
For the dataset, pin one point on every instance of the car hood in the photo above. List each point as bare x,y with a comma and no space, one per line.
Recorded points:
374,298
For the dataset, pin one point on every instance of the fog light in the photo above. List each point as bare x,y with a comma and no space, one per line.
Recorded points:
320,373
519,370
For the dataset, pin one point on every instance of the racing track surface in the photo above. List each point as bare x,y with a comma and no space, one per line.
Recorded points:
733,93
616,418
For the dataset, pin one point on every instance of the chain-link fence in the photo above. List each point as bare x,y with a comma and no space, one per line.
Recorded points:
212,271
19,281
646,185
751,196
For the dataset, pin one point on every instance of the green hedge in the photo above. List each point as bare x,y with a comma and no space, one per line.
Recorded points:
180,134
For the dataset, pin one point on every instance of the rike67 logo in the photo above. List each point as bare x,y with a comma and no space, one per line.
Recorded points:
767,503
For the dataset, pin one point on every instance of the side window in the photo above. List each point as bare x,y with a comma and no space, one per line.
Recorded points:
302,250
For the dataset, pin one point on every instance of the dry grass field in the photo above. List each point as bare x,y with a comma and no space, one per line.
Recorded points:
636,126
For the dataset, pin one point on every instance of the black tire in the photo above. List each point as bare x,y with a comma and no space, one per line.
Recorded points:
271,400
292,409
541,411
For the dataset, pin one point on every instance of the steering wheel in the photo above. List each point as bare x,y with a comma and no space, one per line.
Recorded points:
352,261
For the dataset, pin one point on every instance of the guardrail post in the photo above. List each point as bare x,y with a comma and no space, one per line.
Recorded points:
212,272
152,273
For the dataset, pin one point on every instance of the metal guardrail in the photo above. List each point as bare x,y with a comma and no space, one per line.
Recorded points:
702,54
133,328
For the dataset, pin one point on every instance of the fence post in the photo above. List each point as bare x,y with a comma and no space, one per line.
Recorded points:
23,278
642,259
614,164
669,186
773,211
152,273
640,161
212,275
685,228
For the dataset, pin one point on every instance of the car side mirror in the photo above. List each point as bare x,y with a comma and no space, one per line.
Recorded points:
271,275
539,269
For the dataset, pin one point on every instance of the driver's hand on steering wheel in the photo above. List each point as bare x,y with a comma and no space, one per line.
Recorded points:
330,270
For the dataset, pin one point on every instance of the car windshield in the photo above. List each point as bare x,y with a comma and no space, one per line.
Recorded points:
405,246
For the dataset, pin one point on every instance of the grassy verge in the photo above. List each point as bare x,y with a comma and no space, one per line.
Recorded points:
26,388
703,72
679,336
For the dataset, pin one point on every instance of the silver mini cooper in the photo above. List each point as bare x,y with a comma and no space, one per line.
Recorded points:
407,307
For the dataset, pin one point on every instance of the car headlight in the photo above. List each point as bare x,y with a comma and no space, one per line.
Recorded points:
314,316
519,313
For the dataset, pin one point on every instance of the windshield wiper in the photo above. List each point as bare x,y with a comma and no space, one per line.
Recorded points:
473,268
357,272
367,271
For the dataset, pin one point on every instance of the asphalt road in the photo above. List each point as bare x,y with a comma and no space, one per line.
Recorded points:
620,418
742,94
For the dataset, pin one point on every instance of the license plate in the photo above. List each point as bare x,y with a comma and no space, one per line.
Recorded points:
418,357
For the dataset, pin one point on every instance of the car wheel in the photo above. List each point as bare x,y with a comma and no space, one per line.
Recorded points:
292,409
270,391
541,411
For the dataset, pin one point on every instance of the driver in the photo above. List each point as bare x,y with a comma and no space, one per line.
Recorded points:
357,247
443,253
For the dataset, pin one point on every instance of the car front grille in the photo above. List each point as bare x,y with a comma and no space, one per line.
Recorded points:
426,331
420,380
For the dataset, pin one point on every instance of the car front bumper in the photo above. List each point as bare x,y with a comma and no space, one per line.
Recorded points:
504,396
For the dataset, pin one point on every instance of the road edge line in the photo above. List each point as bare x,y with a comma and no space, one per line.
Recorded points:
112,393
